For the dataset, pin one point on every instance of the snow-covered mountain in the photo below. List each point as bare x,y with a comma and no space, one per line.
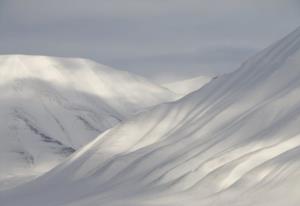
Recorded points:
187,86
234,142
50,107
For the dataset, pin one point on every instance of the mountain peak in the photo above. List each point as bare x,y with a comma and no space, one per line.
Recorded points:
50,107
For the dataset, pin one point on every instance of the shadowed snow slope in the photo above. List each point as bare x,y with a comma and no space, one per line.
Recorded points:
49,107
187,86
234,142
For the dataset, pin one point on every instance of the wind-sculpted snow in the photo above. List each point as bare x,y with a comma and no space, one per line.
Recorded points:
50,107
234,142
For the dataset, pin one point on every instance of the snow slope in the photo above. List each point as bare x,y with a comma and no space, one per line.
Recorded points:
235,142
50,107
187,86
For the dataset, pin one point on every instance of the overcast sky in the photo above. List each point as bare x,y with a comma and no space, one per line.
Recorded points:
162,39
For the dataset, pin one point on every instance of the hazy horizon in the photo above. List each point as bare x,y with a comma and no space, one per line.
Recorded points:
163,40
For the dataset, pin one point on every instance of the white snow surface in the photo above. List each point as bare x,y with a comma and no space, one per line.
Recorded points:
235,142
50,107
187,86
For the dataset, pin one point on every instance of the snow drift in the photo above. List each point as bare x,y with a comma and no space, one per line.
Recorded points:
50,107
236,141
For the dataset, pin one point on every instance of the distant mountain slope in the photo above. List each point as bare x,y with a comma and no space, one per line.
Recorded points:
187,86
234,142
50,107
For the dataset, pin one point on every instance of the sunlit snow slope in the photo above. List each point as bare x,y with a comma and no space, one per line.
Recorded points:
187,86
49,107
235,142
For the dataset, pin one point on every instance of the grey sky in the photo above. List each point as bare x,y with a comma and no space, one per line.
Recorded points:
162,39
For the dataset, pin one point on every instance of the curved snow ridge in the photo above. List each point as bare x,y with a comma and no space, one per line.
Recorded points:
234,142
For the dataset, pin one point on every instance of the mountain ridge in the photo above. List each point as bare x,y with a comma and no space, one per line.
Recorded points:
236,141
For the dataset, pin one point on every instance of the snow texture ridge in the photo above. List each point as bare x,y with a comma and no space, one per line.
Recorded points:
236,141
